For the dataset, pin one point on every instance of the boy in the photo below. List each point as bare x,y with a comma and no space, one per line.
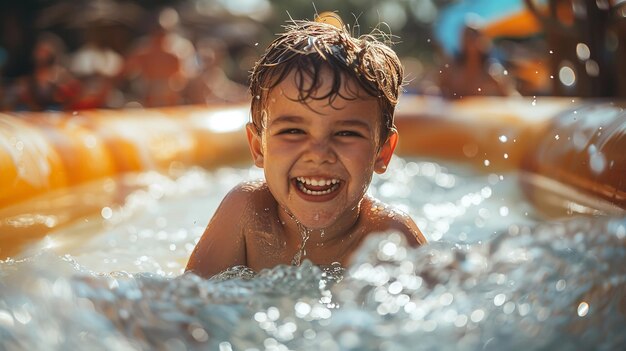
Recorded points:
322,123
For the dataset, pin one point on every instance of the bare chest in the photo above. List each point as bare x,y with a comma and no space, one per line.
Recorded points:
266,249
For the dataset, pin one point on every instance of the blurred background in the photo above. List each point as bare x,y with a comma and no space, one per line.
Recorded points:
81,54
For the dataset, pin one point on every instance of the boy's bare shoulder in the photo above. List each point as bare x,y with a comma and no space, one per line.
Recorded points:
385,218
247,197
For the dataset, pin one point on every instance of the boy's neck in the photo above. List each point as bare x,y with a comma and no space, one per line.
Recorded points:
319,236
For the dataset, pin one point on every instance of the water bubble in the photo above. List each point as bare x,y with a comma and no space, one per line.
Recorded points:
273,313
477,315
504,211
583,309
567,75
199,334
503,138
225,346
508,307
499,299
260,317
597,162
592,68
395,288
389,249
106,212
582,51
460,321
446,299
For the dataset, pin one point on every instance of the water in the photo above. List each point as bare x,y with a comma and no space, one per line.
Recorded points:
494,276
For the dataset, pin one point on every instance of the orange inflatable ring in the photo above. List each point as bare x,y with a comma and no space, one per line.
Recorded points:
49,152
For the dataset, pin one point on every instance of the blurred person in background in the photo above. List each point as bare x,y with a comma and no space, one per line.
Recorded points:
471,72
96,65
158,68
50,86
212,84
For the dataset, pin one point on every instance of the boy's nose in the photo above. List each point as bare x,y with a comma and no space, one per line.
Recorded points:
320,152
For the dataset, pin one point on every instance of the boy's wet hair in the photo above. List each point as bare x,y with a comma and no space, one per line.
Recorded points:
308,47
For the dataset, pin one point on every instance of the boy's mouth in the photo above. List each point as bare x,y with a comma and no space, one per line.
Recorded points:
317,188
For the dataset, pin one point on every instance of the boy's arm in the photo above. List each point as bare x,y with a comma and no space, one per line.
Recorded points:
403,223
223,243
386,219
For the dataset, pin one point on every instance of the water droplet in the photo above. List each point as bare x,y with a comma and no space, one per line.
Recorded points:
597,162
582,51
567,75
106,212
477,315
225,346
499,299
503,138
583,309
504,211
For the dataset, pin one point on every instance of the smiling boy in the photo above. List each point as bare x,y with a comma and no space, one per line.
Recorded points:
322,124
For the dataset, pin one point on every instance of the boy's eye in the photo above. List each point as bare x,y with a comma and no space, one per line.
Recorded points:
348,133
291,131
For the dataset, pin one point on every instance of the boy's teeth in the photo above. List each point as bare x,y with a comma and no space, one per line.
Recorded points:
317,182
333,185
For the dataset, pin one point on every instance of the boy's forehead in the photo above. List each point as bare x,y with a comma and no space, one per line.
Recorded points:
299,83
352,103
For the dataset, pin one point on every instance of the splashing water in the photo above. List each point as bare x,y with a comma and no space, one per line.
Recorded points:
305,233
488,282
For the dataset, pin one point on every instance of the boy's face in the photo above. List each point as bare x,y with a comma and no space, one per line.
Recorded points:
319,159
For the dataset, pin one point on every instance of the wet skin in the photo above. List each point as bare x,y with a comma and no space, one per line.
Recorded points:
318,161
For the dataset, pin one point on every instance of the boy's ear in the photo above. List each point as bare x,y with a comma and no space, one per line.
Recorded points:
386,151
256,144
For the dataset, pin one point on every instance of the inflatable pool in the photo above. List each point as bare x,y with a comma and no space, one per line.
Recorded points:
522,201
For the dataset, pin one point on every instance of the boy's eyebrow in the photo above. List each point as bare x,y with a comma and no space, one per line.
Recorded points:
286,119
354,123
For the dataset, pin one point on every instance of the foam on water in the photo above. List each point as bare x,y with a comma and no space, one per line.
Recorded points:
490,279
